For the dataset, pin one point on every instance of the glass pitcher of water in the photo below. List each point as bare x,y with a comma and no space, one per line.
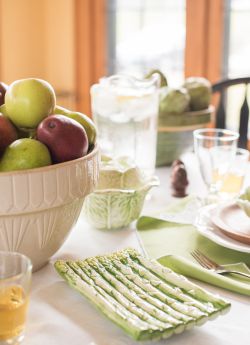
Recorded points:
125,110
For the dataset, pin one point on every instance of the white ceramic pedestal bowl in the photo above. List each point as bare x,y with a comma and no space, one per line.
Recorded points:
38,207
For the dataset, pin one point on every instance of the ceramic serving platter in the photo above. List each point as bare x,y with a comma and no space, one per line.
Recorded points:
148,301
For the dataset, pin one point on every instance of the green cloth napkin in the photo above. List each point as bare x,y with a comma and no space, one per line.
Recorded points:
171,244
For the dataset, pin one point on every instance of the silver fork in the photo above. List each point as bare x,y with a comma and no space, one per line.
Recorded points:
209,264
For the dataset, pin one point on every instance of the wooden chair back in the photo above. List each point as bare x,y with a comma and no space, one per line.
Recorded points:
221,88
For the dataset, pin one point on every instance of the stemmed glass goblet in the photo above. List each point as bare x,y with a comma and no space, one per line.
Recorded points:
215,150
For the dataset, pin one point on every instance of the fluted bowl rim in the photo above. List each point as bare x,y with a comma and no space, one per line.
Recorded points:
52,166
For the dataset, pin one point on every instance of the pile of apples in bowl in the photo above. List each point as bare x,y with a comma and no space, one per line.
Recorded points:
49,162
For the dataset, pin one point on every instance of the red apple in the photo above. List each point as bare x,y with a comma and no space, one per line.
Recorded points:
3,89
8,133
65,138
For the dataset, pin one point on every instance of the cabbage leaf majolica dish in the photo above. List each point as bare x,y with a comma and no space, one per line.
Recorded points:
120,194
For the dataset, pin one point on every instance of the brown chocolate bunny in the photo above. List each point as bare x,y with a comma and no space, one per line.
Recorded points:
179,180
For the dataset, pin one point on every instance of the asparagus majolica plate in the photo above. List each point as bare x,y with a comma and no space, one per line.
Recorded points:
148,301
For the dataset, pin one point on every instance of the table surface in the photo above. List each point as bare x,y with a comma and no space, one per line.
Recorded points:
59,315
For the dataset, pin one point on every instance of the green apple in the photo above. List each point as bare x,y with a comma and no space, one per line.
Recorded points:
83,119
25,154
21,132
200,91
173,101
61,110
3,110
29,101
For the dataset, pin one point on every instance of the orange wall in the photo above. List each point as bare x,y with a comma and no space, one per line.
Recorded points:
37,40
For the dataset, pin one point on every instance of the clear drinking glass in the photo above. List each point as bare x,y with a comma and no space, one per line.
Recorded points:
215,150
233,182
125,110
15,279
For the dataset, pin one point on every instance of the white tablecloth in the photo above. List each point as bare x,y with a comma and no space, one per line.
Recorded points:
58,315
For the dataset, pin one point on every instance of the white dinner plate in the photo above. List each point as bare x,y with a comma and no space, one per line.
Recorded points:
232,221
208,229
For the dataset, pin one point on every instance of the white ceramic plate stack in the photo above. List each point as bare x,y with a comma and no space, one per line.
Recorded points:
225,224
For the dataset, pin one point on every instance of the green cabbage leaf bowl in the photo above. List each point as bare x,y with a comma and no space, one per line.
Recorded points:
120,194
244,201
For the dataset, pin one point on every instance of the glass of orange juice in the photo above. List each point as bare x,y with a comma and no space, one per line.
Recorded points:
15,279
232,183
